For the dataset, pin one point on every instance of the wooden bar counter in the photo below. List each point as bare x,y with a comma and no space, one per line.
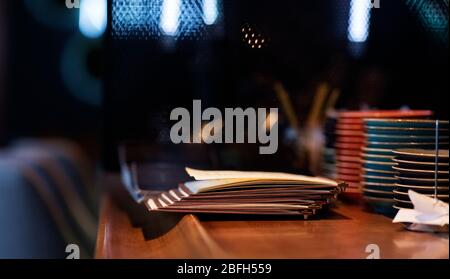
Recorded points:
129,231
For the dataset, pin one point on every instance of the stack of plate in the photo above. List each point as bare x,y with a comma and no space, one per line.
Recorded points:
329,163
416,170
378,179
383,137
350,139
329,154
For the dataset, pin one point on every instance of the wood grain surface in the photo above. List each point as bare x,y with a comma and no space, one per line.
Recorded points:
130,231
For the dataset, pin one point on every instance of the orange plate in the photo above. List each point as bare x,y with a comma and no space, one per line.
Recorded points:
354,172
346,152
350,133
351,127
349,159
350,121
385,113
349,178
356,140
349,146
345,165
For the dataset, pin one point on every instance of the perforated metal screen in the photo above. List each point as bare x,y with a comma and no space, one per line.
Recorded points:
180,19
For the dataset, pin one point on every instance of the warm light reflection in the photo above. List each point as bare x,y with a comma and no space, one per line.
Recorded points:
271,120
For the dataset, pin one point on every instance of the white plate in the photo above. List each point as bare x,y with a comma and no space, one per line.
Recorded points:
421,179
378,192
442,188
379,177
416,171
428,195
443,153
373,184
365,170
418,162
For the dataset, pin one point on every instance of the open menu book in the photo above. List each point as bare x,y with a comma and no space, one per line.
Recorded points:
237,192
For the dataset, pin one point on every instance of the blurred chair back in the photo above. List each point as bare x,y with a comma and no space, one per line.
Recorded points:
44,203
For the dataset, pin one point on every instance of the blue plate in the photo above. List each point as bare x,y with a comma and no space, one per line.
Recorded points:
404,139
426,191
413,181
378,194
422,155
420,165
371,172
381,205
422,173
379,179
396,131
385,187
398,204
406,123
377,158
405,196
379,166
377,151
396,145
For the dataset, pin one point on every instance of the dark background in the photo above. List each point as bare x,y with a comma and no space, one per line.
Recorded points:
405,63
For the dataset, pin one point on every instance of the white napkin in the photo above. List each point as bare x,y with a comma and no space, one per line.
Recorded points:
427,211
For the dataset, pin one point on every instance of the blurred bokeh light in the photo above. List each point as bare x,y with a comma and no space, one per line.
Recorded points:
359,21
93,18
